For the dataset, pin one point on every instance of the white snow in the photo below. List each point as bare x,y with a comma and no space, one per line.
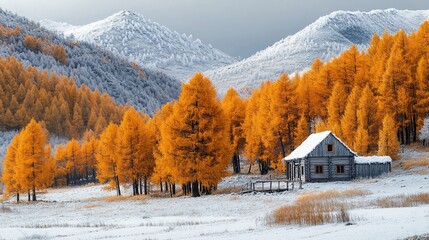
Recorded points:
77,213
373,159
308,145
147,43
325,38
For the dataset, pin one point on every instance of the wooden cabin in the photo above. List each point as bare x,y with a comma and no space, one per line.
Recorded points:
324,157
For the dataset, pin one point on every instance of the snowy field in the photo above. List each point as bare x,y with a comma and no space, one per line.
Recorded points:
83,213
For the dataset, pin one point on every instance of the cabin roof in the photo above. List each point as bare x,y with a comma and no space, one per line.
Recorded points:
373,159
310,144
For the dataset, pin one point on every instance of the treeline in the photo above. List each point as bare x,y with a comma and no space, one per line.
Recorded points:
360,96
373,100
143,88
67,111
186,143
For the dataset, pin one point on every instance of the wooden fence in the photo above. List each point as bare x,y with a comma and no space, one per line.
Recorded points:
366,170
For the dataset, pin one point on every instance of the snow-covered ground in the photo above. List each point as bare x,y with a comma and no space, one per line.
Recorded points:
80,213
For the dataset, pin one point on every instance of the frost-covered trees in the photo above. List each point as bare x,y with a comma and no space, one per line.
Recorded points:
145,89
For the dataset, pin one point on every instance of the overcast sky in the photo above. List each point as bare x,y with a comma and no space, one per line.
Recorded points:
237,27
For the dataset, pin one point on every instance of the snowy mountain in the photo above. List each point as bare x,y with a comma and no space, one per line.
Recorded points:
325,38
144,88
147,43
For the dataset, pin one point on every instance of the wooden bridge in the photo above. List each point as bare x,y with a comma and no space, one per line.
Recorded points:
272,185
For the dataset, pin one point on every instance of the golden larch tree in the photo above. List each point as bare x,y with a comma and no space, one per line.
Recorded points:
388,143
32,156
235,109
197,136
107,159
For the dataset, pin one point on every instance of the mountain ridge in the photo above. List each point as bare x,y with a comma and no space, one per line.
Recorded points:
146,42
325,38
143,88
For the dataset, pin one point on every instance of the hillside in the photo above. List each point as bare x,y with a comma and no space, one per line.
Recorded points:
148,43
144,88
325,38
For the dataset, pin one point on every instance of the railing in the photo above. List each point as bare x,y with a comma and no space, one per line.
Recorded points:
277,185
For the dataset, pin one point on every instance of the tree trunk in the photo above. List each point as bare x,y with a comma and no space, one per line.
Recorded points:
145,186
184,189
160,186
173,186
34,193
17,197
141,185
250,168
118,188
195,190
263,167
28,193
236,163
282,145
166,186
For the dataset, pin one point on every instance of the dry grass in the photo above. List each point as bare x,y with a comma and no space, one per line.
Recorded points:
333,194
403,200
316,208
420,162
91,205
227,190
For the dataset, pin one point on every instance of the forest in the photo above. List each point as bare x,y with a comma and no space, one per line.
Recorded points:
374,100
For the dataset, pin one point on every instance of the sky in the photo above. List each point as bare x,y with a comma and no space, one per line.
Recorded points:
239,28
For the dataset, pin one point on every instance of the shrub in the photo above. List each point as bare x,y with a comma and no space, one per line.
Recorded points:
421,162
316,208
403,200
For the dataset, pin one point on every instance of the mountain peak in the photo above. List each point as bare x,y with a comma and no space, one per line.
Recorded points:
148,43
125,14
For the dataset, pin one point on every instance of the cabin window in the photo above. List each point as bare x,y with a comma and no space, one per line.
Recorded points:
330,147
319,169
340,168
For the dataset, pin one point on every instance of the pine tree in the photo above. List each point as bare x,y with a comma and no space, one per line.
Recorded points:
197,136
349,121
361,141
10,171
74,166
388,143
32,158
283,114
134,138
367,119
302,130
234,109
107,160
88,150
336,107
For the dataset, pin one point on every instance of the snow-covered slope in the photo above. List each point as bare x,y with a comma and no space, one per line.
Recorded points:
147,43
325,38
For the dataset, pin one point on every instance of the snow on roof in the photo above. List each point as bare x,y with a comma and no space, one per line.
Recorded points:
372,159
308,145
